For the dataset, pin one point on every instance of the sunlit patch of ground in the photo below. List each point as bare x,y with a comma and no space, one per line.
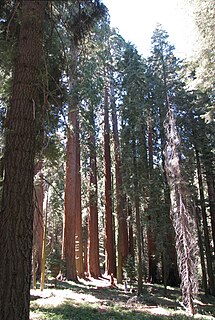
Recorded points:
52,297
97,294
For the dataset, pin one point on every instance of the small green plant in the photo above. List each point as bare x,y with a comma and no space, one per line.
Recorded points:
129,270
55,263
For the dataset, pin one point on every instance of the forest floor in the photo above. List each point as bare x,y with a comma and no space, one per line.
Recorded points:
95,300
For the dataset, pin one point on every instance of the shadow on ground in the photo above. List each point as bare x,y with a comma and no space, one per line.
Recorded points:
115,304
69,311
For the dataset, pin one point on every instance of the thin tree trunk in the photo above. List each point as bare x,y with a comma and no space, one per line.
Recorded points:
211,280
151,255
38,218
201,251
16,228
79,237
138,222
43,262
109,236
124,232
130,233
139,247
211,196
122,242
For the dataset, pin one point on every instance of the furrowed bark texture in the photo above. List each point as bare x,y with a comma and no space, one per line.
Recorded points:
182,216
16,228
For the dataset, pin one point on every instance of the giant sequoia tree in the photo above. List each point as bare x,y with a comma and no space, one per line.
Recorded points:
16,229
82,15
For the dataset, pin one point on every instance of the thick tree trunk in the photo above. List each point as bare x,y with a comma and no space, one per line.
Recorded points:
69,225
109,236
70,202
93,239
16,228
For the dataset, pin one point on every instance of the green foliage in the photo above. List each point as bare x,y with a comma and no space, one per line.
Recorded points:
130,269
55,263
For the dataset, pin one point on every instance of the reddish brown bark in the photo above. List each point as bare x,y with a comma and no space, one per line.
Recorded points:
93,240
68,249
16,228
79,240
71,202
109,236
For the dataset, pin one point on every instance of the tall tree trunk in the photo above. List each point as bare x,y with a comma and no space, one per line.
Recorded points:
93,239
138,221
79,236
211,280
16,228
182,216
211,196
109,236
69,224
122,242
70,202
150,232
